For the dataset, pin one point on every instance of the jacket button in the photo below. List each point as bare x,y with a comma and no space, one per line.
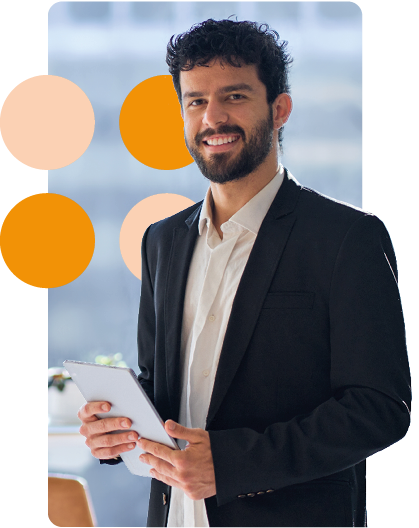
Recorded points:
241,496
251,494
260,493
164,499
270,491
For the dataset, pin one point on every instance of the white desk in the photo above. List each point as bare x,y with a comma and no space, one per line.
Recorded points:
67,452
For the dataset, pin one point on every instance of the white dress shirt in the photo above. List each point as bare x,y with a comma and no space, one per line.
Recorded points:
214,275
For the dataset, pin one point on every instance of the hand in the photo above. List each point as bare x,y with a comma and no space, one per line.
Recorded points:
192,469
104,445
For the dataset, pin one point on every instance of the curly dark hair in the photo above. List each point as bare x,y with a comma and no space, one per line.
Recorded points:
234,43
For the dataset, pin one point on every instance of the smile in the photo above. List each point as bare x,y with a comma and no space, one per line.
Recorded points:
221,140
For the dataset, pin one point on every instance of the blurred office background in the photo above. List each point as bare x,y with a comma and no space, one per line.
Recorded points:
107,48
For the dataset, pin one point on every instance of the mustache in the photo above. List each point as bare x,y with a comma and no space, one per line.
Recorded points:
223,129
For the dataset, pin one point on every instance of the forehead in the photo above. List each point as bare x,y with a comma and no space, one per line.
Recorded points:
217,76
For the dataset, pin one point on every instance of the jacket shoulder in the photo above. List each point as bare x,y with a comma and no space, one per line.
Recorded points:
312,206
341,223
331,216
321,205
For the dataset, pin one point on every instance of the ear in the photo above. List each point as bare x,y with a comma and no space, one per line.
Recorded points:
281,110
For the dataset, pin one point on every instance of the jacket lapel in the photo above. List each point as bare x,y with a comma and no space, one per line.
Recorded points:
183,243
253,287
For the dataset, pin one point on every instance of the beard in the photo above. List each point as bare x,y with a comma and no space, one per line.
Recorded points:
219,168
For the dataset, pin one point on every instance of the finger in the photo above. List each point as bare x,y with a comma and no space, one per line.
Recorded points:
111,440
163,467
87,413
164,478
106,453
183,433
158,450
103,426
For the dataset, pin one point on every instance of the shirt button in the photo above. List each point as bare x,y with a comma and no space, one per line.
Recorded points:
205,373
211,318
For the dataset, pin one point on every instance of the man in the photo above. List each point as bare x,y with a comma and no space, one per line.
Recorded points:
270,331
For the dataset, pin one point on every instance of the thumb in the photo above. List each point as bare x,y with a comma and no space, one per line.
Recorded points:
182,433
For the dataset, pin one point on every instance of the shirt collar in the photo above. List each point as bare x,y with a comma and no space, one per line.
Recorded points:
251,215
205,218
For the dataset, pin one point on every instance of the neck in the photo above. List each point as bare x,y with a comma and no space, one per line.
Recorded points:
229,197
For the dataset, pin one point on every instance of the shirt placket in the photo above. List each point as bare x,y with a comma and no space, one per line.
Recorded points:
198,385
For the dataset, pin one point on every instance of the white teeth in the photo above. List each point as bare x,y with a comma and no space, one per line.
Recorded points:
221,141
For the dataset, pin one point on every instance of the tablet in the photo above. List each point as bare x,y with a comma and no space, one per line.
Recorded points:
120,387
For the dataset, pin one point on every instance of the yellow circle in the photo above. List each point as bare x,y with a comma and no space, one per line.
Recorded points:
151,125
47,240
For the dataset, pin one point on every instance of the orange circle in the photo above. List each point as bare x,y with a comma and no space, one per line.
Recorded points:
47,240
47,122
151,125
143,214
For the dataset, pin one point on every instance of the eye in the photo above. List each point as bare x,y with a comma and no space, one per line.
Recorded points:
236,97
196,102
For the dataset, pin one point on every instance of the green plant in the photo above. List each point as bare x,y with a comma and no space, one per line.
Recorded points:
114,360
58,377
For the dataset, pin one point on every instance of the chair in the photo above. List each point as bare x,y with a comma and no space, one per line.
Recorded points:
69,502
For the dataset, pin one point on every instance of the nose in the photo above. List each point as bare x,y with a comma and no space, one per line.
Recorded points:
215,114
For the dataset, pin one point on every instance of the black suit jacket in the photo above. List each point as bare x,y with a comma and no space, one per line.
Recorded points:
313,375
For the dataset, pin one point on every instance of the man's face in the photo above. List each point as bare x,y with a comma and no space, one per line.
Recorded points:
228,122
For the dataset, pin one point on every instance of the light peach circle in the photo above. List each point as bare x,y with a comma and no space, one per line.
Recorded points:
47,122
145,213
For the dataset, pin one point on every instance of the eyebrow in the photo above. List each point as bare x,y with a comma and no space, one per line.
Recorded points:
225,89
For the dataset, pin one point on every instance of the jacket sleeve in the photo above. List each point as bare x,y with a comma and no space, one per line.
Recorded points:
369,408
